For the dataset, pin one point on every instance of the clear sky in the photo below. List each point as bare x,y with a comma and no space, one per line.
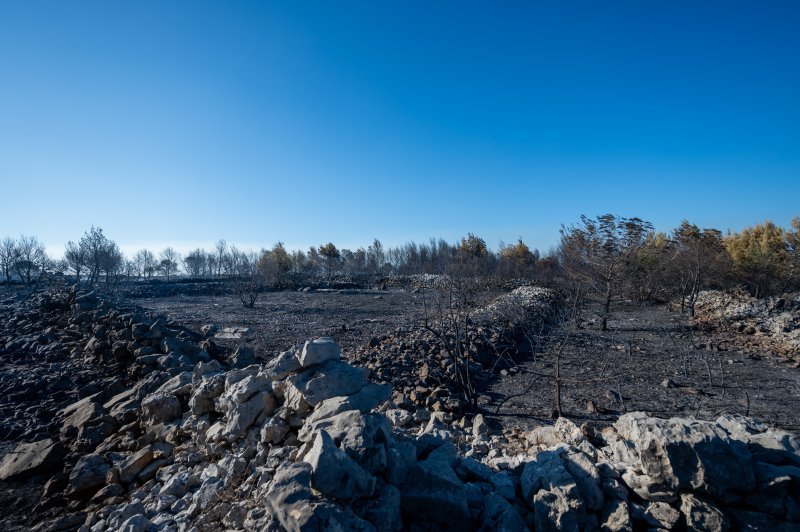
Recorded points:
185,122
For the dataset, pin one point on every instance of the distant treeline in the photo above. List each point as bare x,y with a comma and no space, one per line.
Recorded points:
603,258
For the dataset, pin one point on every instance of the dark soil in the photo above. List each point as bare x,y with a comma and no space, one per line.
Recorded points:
659,365
644,346
280,320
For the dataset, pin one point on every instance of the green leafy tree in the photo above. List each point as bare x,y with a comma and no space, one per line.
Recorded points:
518,259
761,260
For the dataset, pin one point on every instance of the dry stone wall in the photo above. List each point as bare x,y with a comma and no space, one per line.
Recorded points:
772,324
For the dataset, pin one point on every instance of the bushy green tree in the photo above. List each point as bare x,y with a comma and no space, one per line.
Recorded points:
761,260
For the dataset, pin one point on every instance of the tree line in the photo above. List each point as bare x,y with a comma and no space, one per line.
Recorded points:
601,259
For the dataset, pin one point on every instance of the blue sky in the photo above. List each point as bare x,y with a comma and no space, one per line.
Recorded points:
186,122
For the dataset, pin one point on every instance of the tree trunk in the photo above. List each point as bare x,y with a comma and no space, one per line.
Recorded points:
606,308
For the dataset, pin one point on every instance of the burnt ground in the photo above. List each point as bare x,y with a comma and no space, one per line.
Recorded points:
644,346
659,365
280,320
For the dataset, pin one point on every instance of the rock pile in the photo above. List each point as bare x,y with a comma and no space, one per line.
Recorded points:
307,442
423,373
761,323
63,345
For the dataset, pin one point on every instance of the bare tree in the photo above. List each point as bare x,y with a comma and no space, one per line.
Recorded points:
375,257
169,261
195,262
98,254
698,261
75,255
220,255
112,263
8,257
331,256
145,262
30,257
600,253
250,280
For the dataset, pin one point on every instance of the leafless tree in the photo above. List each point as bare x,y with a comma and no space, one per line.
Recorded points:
249,280
220,255
31,257
145,262
332,257
98,254
195,262
698,261
112,264
76,257
8,257
169,261
599,253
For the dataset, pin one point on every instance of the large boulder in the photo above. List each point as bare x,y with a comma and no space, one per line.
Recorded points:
88,475
434,495
207,390
319,351
330,379
551,491
702,515
243,416
291,501
499,514
683,454
365,438
335,474
241,391
283,365
80,414
160,408
133,465
27,458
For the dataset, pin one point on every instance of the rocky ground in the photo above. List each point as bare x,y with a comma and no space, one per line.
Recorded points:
771,325
280,319
117,418
654,361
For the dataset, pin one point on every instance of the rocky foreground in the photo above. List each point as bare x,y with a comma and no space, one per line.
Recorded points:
181,437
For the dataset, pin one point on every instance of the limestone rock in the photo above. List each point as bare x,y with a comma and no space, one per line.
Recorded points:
161,407
702,516
241,391
616,517
283,365
319,351
28,458
335,474
202,400
498,514
554,511
330,379
684,454
433,494
88,475
133,465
